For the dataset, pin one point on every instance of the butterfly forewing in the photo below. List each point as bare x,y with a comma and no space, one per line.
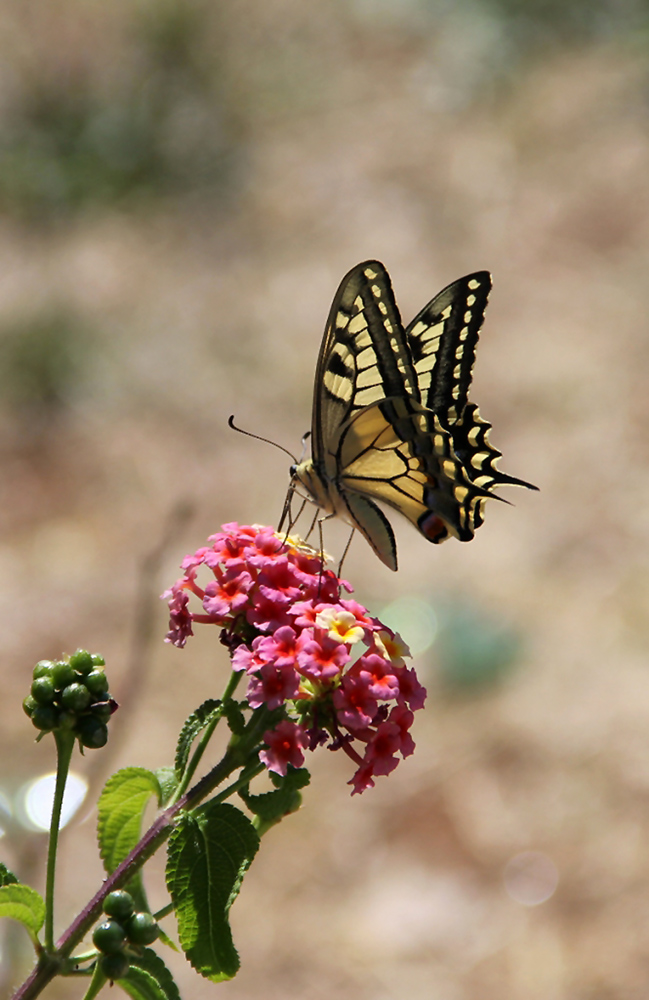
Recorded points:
442,339
364,355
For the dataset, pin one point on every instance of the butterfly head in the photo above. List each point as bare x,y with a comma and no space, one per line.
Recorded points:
306,475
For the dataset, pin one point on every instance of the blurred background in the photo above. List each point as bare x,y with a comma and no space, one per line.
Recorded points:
182,186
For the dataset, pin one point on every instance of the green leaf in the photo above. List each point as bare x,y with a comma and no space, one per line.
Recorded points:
234,714
168,781
7,877
121,807
271,807
148,978
209,853
195,724
22,903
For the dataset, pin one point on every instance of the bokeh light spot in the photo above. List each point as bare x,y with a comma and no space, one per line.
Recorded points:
35,800
415,620
5,813
530,878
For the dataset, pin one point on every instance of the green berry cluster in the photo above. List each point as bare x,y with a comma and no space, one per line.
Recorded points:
124,927
72,694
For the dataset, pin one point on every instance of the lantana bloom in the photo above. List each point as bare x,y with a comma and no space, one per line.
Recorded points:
336,671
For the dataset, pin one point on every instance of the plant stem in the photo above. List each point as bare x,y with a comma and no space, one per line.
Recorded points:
64,748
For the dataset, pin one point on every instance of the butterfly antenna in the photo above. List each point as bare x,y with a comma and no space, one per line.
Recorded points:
258,437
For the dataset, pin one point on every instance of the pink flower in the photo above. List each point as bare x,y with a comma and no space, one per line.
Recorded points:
383,747
379,675
410,690
272,685
248,659
267,548
268,615
355,706
280,647
362,779
228,593
180,619
322,658
284,744
305,612
403,718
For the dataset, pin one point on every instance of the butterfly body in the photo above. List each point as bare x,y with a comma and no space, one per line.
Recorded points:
391,418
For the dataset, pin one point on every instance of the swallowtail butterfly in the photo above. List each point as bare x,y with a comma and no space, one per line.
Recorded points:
391,417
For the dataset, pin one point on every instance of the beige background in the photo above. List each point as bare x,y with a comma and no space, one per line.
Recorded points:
182,187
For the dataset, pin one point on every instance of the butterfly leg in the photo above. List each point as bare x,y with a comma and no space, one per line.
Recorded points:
345,551
286,510
320,521
315,520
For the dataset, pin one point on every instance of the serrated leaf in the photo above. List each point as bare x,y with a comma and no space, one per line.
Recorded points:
148,978
121,807
168,780
195,724
22,903
7,877
208,855
271,807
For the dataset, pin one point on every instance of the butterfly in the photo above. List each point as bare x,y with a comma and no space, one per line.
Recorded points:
391,418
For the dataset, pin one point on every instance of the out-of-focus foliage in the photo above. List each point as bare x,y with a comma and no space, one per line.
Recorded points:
155,124
531,24
41,363
473,651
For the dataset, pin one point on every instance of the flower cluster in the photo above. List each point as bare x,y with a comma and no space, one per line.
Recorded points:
338,672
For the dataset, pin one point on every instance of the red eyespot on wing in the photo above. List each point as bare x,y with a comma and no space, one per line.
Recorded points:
433,528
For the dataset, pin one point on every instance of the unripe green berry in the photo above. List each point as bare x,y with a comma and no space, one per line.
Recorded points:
67,719
43,690
43,668
96,682
81,661
29,704
98,660
119,904
63,673
109,937
75,696
114,966
92,732
141,928
45,717
102,711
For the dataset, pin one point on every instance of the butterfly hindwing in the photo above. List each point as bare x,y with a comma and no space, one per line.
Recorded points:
399,452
